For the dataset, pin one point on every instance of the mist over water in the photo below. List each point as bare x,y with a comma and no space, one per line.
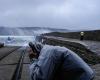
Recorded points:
19,37
16,40
31,31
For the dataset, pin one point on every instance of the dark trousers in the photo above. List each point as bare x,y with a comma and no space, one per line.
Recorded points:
82,37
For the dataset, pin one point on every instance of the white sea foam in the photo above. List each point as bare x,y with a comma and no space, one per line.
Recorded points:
16,40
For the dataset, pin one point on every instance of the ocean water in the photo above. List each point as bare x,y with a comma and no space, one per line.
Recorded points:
16,40
18,36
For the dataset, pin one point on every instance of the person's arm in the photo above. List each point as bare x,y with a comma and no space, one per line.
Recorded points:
42,69
45,67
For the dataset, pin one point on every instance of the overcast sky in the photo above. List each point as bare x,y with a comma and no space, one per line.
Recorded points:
69,14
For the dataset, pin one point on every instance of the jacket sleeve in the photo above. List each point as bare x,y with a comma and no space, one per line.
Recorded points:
47,64
42,69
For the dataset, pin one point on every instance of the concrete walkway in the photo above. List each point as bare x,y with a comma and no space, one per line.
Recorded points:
8,64
94,46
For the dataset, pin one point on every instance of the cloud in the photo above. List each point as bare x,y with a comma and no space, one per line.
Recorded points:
69,14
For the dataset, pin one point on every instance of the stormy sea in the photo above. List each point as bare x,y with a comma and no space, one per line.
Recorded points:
20,36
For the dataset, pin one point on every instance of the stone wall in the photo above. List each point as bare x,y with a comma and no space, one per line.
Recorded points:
89,35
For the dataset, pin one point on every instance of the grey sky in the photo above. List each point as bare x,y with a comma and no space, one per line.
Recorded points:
69,14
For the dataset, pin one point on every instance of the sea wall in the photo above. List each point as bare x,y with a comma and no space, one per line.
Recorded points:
88,35
87,55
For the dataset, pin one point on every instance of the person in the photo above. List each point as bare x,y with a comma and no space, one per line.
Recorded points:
59,63
82,35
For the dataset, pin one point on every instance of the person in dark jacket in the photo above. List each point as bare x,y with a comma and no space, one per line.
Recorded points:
59,63
81,36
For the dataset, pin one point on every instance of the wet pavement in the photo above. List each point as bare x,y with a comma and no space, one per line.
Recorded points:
6,50
25,70
9,64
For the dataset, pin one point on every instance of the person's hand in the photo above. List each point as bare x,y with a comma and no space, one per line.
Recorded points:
32,54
